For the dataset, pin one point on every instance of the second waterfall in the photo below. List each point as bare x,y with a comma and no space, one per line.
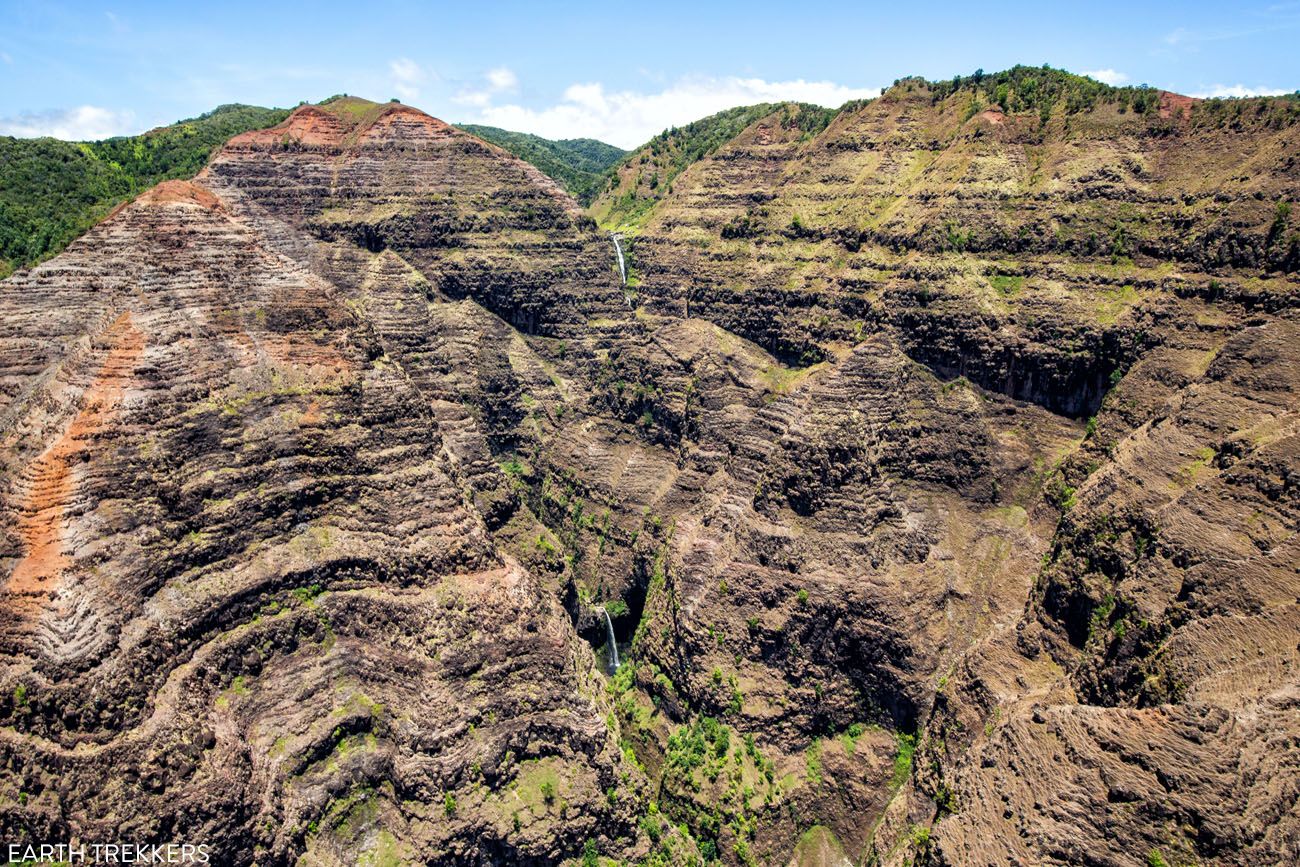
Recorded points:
613,645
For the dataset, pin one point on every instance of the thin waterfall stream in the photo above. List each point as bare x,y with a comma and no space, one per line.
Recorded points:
618,249
613,644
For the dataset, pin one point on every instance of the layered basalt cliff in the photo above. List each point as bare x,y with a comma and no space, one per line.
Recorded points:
982,239
320,468
249,600
1139,266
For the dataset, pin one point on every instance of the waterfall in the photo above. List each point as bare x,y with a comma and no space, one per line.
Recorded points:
618,248
613,645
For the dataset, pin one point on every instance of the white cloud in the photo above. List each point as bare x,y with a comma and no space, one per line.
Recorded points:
84,123
5,56
1240,91
502,79
477,98
1108,76
407,77
498,81
629,118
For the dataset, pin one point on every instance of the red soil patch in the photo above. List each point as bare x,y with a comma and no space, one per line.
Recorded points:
43,508
308,124
311,417
343,126
1176,104
992,115
317,359
763,135
396,115
180,191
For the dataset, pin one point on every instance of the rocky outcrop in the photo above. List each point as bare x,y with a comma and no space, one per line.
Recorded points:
1156,669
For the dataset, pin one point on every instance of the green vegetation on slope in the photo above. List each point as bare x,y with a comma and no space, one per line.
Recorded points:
632,187
578,164
51,191
1043,89
1039,88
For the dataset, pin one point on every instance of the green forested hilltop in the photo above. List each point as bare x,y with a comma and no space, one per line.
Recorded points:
1051,91
579,164
632,186
51,191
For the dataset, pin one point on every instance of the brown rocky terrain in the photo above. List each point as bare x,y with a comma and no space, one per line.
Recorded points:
1135,268
938,464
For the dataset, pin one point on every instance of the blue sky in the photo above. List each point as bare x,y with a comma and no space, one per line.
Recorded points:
616,71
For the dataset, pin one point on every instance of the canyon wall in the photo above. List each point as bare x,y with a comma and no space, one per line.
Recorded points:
938,467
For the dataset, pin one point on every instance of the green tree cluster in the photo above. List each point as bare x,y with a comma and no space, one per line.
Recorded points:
1041,88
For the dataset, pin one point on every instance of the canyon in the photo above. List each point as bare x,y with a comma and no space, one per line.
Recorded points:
932,464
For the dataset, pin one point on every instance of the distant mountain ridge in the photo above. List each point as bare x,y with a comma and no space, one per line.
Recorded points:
579,164
646,175
51,191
